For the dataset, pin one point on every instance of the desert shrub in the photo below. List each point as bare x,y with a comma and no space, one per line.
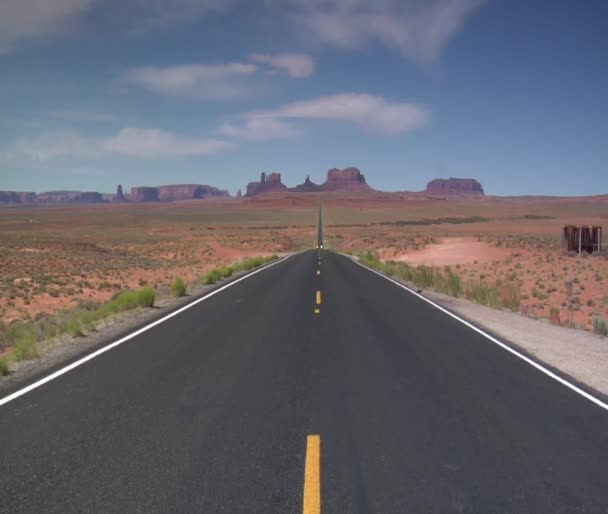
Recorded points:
600,326
87,320
226,271
510,296
212,276
425,276
74,328
483,293
3,366
404,271
24,346
146,297
453,285
178,287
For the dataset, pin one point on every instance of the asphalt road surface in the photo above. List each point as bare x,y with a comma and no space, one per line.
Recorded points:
211,411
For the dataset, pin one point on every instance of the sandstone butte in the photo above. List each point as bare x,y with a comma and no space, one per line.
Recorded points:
348,179
454,187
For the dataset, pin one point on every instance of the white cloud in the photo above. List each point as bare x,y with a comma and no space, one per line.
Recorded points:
139,142
195,80
296,65
417,28
55,145
260,129
34,18
372,112
133,142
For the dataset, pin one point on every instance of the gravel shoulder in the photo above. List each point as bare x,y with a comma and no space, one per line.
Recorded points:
62,350
580,355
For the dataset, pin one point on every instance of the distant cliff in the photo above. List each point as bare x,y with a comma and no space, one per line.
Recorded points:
454,186
50,197
267,184
175,192
137,194
348,179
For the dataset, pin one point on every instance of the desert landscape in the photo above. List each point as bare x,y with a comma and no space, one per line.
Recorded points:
63,257
54,256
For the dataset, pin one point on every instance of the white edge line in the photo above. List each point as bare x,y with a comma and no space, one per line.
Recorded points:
97,353
538,366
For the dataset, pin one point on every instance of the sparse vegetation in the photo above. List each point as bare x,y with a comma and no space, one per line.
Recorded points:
23,337
178,287
600,326
489,293
3,366
217,274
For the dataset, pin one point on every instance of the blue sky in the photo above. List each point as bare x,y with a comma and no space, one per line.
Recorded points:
149,92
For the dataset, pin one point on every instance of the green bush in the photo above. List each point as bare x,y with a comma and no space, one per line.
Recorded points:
217,274
146,297
178,287
25,346
453,285
74,328
3,366
484,294
600,326
213,276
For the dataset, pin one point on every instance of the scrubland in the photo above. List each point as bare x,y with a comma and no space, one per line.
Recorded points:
502,252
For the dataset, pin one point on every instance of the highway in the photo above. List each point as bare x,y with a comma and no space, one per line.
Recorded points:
314,385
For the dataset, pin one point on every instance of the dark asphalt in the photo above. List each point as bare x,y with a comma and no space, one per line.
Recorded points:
209,412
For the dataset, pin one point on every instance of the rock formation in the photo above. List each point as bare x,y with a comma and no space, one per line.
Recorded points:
17,197
268,183
308,186
239,193
188,192
52,197
348,179
454,186
120,196
143,194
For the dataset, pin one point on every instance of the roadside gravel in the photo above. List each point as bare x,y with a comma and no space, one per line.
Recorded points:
581,355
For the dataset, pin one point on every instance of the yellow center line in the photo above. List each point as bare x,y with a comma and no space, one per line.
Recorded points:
318,272
317,311
312,476
318,297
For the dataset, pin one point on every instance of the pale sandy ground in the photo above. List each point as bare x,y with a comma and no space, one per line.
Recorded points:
454,250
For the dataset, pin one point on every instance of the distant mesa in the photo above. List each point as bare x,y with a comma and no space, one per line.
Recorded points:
138,194
345,180
143,194
348,179
267,184
52,197
173,193
17,197
454,187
